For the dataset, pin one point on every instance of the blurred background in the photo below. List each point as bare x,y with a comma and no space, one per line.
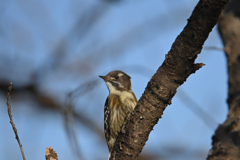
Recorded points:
53,52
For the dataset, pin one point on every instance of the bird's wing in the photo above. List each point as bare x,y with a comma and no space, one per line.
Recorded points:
106,120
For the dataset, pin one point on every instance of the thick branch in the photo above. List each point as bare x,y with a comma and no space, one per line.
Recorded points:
178,65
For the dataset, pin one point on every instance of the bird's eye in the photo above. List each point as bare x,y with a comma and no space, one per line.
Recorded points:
116,77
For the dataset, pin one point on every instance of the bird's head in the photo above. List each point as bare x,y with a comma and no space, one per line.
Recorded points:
117,81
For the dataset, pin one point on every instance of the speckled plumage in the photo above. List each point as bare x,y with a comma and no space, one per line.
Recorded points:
120,102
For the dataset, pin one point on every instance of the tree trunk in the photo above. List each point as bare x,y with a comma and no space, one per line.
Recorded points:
226,141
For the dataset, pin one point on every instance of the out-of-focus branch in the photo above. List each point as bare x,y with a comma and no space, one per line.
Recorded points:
49,103
11,120
71,130
226,140
82,89
213,48
67,111
196,109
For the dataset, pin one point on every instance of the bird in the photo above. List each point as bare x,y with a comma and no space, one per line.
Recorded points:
119,104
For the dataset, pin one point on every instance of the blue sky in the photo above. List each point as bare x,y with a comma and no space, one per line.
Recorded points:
68,43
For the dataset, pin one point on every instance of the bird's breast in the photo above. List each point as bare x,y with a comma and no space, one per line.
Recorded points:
120,107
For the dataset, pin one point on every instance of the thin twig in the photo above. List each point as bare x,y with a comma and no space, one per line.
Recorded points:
11,121
69,126
213,48
192,105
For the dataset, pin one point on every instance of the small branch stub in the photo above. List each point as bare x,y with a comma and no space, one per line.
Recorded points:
51,154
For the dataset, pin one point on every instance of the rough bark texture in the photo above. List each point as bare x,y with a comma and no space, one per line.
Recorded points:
226,141
178,65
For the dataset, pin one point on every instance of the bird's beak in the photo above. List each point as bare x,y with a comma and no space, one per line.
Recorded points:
105,78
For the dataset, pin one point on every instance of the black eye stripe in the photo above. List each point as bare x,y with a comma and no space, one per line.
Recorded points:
115,84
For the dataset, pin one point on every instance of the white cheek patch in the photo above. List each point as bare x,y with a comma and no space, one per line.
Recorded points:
111,88
120,74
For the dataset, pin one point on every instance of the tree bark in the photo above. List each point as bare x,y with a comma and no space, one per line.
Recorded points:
226,141
177,66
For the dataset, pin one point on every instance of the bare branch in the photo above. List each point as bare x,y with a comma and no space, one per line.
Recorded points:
11,121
